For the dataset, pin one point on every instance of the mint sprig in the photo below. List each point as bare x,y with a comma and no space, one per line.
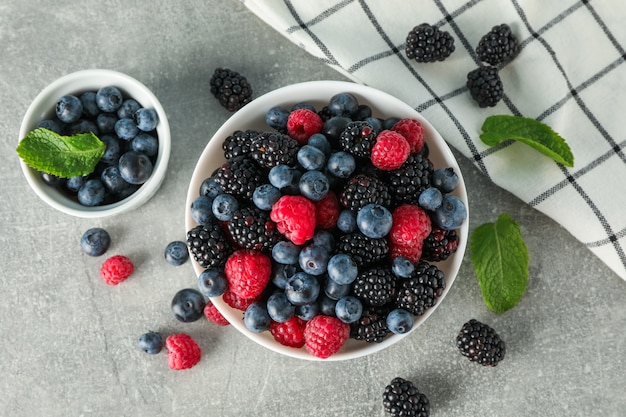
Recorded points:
63,156
534,133
500,259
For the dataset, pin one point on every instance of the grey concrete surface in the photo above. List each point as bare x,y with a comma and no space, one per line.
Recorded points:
68,342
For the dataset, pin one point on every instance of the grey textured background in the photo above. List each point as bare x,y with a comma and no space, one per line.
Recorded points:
68,341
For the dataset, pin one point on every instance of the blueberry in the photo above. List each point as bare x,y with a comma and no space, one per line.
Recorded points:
92,193
341,164
343,104
348,309
256,318
210,188
374,221
88,100
389,122
109,98
302,288
69,109
363,111
327,305
176,253
224,205
51,124
286,252
188,305
135,167
335,291
126,129
106,122
281,273
212,282
430,199
113,151
445,179
151,342
313,259
95,241
311,158
400,321
320,142
279,308
73,184
265,195
283,176
346,222
325,239
128,108
314,185
276,118
145,143
342,269
201,210
451,214
307,311
304,105
402,267
375,123
112,180
146,119
333,127
82,126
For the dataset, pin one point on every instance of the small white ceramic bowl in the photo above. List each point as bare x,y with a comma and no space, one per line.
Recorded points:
318,93
76,83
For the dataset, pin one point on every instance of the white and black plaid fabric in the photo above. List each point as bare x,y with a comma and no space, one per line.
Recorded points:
570,73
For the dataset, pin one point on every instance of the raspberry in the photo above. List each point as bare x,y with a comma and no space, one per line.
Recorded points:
289,333
413,132
302,124
182,351
412,253
116,269
295,218
213,314
325,335
237,302
390,151
327,211
248,272
411,225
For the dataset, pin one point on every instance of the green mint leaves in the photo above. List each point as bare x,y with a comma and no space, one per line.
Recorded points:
500,259
63,156
529,131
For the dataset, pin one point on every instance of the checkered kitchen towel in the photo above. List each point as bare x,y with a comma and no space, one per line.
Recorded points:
570,73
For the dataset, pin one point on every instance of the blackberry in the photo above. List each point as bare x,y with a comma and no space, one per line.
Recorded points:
407,182
485,86
372,326
239,143
421,291
375,286
239,177
440,244
209,245
252,228
480,343
364,250
426,43
358,138
230,88
498,46
272,148
402,398
361,190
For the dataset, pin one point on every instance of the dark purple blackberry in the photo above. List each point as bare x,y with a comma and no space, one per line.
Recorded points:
498,46
440,244
361,190
230,88
324,113
272,148
422,290
252,228
407,182
375,286
426,43
239,177
480,343
358,138
402,398
364,250
239,143
485,86
372,326
209,245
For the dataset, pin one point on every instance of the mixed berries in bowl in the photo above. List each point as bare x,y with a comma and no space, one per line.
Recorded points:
326,220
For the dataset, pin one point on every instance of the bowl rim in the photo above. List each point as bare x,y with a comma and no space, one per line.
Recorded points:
76,83
320,91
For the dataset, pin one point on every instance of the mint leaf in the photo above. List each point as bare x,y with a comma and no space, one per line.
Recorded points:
500,259
529,131
63,156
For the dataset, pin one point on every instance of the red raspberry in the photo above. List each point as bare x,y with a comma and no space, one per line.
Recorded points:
237,302
412,253
327,211
413,132
302,124
295,218
247,272
390,151
411,225
325,335
289,333
213,314
116,269
182,351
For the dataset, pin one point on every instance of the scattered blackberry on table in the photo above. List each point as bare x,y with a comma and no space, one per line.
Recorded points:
252,228
402,398
440,244
239,143
362,249
420,292
358,138
372,326
208,245
375,286
239,177
427,43
272,148
230,88
498,46
410,180
480,343
485,86
362,190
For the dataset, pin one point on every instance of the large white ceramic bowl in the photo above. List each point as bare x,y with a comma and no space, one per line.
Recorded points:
318,93
76,83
